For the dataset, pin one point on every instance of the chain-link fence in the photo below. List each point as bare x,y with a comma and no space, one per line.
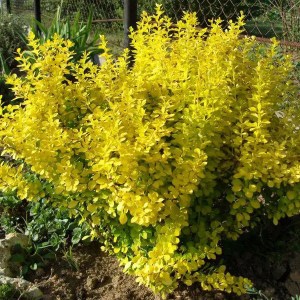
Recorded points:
264,18
103,11
107,15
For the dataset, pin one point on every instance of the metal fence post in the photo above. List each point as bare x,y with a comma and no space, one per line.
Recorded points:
37,13
8,6
130,20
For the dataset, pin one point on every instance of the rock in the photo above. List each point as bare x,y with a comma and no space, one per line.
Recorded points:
27,289
6,267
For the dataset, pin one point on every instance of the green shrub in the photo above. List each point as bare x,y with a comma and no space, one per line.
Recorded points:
194,144
78,32
11,31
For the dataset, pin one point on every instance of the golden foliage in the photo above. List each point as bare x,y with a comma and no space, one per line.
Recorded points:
191,145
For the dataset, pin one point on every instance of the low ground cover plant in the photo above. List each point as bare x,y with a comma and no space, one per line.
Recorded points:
50,231
194,144
7,291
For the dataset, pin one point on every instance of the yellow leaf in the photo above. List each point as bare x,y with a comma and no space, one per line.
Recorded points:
291,195
91,207
96,219
188,282
123,218
72,204
165,278
255,204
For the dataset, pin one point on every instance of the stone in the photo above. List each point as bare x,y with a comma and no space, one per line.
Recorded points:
28,290
6,267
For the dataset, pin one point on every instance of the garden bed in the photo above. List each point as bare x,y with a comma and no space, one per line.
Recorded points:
91,274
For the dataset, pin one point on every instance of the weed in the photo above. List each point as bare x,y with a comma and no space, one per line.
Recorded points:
68,256
8,292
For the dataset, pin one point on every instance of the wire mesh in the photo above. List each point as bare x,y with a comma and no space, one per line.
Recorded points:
23,9
105,11
102,11
107,15
264,18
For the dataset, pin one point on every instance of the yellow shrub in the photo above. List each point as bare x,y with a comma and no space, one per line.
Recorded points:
195,143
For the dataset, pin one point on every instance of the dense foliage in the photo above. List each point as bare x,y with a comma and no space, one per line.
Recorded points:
77,31
194,144
11,31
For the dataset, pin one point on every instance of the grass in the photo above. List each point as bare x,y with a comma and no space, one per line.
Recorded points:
263,28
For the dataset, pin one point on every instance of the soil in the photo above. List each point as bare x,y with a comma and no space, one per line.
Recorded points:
97,276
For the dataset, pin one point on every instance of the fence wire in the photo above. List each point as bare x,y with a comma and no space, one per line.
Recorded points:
264,18
107,15
102,11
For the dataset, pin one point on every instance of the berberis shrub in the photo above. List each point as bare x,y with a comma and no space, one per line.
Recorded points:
195,143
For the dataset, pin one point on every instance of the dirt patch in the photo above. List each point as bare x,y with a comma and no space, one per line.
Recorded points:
98,277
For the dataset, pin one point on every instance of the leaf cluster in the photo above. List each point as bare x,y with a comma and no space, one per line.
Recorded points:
75,30
194,144
7,291
50,231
